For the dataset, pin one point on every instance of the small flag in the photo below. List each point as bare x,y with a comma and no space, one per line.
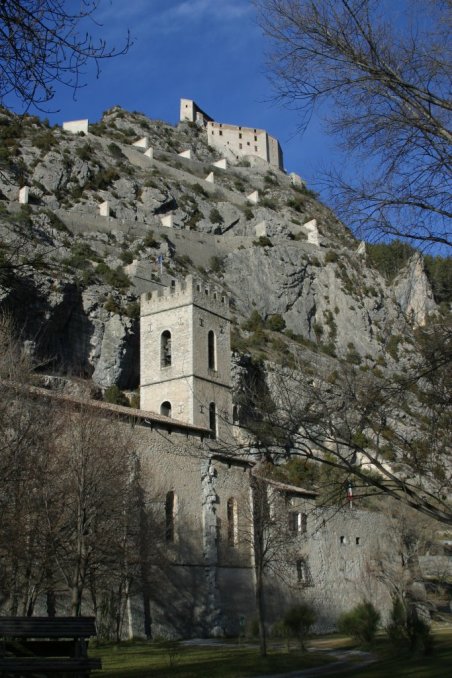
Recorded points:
350,495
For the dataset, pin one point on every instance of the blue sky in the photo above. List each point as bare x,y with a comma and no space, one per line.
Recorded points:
211,51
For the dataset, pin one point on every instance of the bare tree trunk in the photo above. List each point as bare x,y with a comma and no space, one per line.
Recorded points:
260,609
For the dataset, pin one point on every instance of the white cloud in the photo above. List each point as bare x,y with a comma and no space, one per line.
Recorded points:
146,17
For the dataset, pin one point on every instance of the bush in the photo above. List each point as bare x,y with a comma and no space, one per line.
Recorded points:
298,621
361,623
199,190
45,141
263,241
114,277
215,216
111,305
405,629
276,323
216,264
115,396
116,151
331,257
84,152
254,322
126,257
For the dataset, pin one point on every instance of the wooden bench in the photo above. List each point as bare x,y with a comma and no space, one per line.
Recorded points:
46,645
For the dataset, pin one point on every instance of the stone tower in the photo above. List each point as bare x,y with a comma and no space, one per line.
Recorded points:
186,354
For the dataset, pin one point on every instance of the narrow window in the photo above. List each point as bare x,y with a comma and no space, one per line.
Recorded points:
240,146
211,352
255,148
357,541
170,515
232,522
298,522
220,133
213,419
240,135
255,138
165,408
303,573
165,349
342,540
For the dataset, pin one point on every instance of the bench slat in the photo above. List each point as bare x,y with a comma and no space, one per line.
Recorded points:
47,627
21,664
43,648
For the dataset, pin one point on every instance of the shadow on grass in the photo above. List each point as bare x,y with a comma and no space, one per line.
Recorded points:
143,660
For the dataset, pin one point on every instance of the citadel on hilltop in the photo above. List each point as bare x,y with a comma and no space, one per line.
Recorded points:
233,140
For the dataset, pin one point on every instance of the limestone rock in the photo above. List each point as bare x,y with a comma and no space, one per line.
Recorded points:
115,359
413,291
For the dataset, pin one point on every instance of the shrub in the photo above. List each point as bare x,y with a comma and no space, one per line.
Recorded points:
45,141
115,396
114,277
111,305
361,623
216,264
276,323
116,151
199,190
248,212
132,310
269,203
405,629
215,216
126,257
84,152
254,322
331,257
149,240
263,241
298,621
296,203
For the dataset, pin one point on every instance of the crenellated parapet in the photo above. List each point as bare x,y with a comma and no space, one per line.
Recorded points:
190,290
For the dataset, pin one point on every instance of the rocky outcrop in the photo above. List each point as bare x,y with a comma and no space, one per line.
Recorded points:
413,292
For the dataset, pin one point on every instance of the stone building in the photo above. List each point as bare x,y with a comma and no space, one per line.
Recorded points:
234,141
321,555
201,494
185,354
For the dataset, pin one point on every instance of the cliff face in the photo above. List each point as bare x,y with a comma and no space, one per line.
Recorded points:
72,277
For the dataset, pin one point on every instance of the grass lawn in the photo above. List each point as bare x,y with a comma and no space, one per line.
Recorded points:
148,660
145,660
402,665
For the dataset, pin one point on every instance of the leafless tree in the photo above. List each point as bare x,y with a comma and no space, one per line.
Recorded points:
44,44
380,74
265,529
389,435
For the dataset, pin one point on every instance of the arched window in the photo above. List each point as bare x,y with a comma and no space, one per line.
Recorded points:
165,349
213,418
233,527
211,351
165,408
170,516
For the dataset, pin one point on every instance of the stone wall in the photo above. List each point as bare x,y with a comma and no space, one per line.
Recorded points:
236,142
190,311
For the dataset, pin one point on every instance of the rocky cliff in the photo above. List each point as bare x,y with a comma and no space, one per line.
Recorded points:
297,278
